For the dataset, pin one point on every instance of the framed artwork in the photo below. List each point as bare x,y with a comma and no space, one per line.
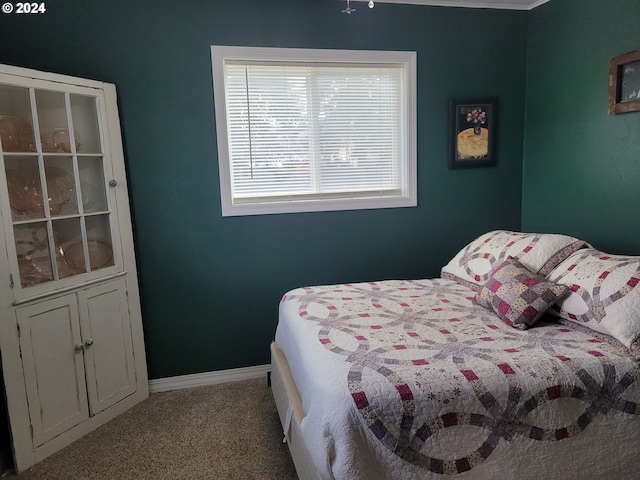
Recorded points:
472,132
624,83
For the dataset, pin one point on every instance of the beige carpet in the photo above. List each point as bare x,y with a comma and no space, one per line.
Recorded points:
228,431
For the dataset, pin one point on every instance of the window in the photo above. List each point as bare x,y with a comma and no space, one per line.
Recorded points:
313,130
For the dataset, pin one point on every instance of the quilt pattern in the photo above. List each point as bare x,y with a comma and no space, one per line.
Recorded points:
423,358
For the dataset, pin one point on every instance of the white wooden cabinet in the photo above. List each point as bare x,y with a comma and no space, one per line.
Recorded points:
54,373
71,334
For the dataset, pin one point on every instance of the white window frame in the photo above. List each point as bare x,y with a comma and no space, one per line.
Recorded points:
405,59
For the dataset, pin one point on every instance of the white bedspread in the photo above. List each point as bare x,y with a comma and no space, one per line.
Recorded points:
413,380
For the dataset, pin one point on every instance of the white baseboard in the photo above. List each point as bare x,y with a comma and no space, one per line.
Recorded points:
207,378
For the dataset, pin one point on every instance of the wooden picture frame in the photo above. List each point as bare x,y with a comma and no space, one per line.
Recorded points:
472,132
624,83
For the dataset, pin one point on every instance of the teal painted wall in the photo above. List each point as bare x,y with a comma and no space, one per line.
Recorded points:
582,166
211,286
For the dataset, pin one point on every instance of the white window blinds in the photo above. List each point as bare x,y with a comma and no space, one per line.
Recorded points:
301,132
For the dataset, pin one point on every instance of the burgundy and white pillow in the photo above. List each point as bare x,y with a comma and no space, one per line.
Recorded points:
604,294
538,252
517,295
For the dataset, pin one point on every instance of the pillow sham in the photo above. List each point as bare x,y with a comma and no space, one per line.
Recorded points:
517,295
633,352
604,296
539,252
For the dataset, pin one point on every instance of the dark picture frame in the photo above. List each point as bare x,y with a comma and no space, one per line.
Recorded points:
472,132
624,83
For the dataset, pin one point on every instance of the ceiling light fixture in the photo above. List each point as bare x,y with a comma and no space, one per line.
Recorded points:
349,10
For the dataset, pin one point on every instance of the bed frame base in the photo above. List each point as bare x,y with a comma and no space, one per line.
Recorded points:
289,405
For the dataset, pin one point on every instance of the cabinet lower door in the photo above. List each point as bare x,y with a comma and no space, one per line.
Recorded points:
52,359
106,330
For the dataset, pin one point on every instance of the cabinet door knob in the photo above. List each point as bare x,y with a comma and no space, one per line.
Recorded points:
88,342
113,183
79,347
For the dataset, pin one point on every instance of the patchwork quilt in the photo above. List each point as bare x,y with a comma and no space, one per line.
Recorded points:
413,379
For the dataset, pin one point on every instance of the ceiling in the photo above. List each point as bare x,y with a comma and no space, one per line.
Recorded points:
503,4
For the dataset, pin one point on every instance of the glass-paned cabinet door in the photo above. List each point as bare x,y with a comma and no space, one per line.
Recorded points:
56,173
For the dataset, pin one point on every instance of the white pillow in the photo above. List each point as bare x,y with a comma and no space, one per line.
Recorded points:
539,252
604,296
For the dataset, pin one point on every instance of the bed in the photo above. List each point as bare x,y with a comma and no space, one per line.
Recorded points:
520,361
